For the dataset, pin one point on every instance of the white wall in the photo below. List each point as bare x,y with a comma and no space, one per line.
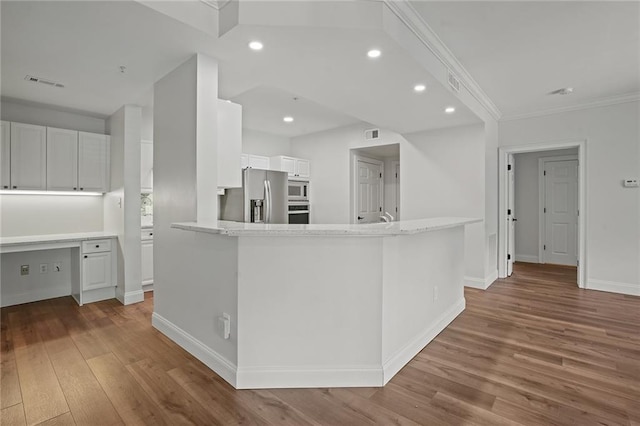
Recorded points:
612,137
443,174
189,291
260,143
146,130
491,199
45,115
122,203
527,203
390,186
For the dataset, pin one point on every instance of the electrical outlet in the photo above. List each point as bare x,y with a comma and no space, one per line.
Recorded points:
224,324
44,268
57,267
24,269
435,293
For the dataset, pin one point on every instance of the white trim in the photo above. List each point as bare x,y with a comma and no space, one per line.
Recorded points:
222,366
542,197
131,297
418,26
481,283
147,287
503,152
314,377
402,356
35,295
611,100
216,4
98,294
614,287
527,258
395,165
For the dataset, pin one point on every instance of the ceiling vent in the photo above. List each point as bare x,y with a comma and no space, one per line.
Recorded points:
454,82
43,81
372,134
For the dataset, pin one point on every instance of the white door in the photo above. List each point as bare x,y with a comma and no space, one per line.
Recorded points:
511,182
397,171
96,271
5,155
62,159
561,212
28,156
369,187
93,162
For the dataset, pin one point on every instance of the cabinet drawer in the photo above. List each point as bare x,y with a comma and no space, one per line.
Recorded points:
146,234
96,246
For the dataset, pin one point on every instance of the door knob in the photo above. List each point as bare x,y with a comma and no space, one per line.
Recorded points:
360,217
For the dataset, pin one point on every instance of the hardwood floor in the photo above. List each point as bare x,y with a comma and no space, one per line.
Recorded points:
533,350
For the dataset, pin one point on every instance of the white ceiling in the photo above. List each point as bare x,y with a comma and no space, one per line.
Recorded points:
519,51
82,45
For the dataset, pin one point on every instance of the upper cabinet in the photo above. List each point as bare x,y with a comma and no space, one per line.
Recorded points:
295,167
28,156
254,161
62,159
93,162
229,144
5,155
146,166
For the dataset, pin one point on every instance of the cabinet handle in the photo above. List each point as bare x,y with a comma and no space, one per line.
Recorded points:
150,234
85,256
6,187
97,245
81,189
74,189
15,187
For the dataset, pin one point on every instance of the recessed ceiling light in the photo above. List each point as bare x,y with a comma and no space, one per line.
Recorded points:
255,45
449,110
287,119
419,87
373,53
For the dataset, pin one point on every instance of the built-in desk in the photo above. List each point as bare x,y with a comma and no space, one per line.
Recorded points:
91,273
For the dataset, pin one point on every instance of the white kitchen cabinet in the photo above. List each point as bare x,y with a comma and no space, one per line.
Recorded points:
229,144
62,159
93,162
96,271
147,262
5,155
295,167
146,166
254,161
28,156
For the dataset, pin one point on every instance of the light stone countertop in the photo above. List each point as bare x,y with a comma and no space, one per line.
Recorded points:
402,227
54,238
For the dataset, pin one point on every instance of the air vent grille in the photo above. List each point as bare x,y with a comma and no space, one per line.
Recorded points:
454,82
371,134
43,81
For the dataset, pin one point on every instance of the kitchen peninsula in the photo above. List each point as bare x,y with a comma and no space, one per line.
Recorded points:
315,305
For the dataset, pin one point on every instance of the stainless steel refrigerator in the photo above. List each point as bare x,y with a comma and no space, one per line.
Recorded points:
262,198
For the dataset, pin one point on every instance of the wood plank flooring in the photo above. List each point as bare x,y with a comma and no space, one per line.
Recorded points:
533,349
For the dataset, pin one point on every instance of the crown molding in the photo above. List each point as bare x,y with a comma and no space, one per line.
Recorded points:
412,19
216,4
602,102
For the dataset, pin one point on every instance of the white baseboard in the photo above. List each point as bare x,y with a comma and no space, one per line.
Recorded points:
35,295
131,297
405,354
147,287
223,367
309,377
99,294
527,258
614,287
481,283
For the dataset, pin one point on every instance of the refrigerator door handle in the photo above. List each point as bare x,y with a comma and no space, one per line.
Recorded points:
269,204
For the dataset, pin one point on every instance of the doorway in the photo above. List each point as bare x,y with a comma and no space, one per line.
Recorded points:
566,236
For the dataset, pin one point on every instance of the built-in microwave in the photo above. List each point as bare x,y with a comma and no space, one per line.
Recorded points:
298,190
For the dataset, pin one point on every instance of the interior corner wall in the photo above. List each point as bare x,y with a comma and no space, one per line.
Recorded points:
267,144
187,291
442,176
121,204
612,135
527,234
45,115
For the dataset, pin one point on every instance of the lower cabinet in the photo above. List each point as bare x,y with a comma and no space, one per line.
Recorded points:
96,271
147,262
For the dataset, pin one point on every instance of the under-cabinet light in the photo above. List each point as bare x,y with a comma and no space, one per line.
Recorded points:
24,192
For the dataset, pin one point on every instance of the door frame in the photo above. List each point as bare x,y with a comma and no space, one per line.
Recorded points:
395,165
503,153
542,193
354,182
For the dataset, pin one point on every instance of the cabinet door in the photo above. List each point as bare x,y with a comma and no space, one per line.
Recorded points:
258,162
96,271
28,156
288,165
302,168
244,161
146,166
147,262
5,155
229,144
62,159
93,162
